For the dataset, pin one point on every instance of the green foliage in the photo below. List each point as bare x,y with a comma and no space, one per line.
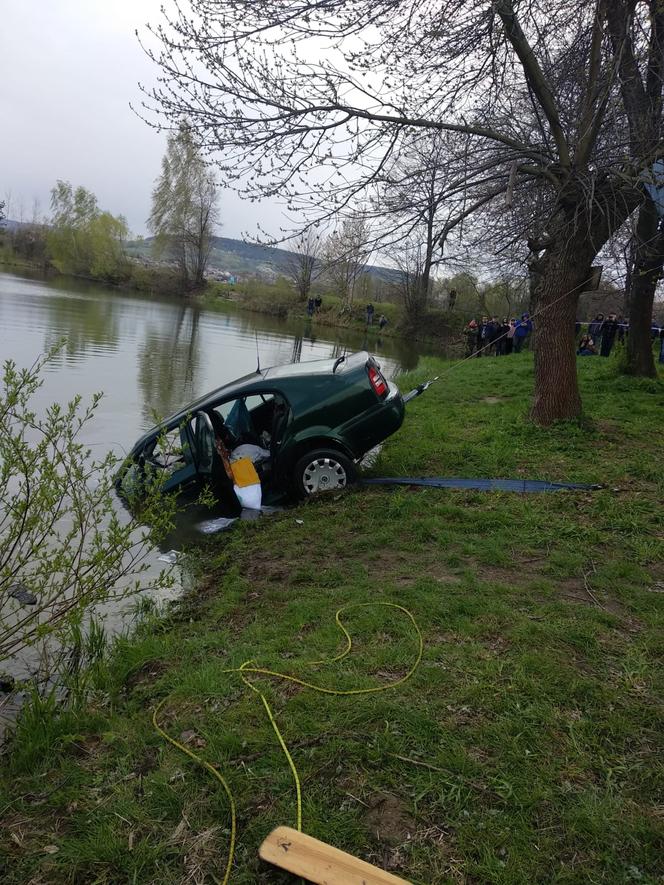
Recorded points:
63,537
82,239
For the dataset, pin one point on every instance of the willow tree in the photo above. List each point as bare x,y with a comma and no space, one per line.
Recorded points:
184,208
83,239
537,93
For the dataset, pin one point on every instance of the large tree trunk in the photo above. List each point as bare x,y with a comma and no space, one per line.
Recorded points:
561,276
645,274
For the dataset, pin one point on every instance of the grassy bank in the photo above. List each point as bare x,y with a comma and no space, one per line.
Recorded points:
279,299
526,747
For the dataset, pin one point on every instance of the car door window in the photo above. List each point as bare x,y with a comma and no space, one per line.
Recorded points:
170,451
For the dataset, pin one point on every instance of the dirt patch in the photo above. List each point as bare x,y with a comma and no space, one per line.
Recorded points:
389,819
146,674
580,592
148,763
85,746
266,567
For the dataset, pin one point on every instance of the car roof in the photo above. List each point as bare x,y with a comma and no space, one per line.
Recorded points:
256,381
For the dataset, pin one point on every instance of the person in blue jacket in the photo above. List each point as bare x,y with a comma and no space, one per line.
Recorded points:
524,328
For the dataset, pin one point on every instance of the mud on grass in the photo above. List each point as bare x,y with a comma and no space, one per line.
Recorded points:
526,748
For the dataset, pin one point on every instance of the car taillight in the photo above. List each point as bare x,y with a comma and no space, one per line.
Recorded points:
378,383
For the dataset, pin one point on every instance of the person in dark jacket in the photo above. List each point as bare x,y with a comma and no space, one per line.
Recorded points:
494,333
483,336
595,328
524,328
502,341
471,338
609,332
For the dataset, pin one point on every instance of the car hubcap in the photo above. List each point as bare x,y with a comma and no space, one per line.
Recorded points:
322,475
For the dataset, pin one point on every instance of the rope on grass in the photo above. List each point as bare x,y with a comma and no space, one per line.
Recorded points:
248,667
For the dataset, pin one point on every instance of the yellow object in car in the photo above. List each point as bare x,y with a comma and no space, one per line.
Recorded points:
244,473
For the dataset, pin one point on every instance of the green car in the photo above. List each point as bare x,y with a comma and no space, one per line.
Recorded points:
304,426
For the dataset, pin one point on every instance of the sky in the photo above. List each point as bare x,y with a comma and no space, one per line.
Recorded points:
68,71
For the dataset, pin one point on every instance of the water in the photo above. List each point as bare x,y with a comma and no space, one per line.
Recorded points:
150,356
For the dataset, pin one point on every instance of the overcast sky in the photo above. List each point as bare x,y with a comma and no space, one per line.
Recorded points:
69,69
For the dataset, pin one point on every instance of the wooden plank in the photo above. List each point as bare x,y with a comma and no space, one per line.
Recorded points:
320,863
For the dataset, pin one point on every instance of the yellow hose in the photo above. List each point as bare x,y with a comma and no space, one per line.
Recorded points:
246,668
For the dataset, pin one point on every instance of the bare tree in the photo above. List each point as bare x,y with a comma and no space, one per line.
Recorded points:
637,37
346,256
538,92
304,264
415,283
410,205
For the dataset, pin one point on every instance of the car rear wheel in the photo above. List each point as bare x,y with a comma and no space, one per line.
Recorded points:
323,470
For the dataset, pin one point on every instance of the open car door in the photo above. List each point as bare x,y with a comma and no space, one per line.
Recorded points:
210,464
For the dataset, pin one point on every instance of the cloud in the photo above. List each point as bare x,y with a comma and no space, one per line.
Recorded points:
70,70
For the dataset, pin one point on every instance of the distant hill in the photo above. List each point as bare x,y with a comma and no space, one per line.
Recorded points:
237,257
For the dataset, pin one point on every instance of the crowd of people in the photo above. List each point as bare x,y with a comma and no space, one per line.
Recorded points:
495,337
603,332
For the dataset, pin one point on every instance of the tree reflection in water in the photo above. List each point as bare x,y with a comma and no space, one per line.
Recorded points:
169,364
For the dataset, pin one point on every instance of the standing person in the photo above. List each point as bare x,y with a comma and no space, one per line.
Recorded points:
501,341
451,299
509,341
318,302
482,335
471,338
370,314
595,328
494,334
524,327
310,307
609,332
382,321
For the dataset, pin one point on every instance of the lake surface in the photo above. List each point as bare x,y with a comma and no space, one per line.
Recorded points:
150,356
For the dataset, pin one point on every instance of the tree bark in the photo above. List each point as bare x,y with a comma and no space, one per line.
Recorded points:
563,275
646,273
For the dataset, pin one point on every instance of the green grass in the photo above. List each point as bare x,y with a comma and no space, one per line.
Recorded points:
526,748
